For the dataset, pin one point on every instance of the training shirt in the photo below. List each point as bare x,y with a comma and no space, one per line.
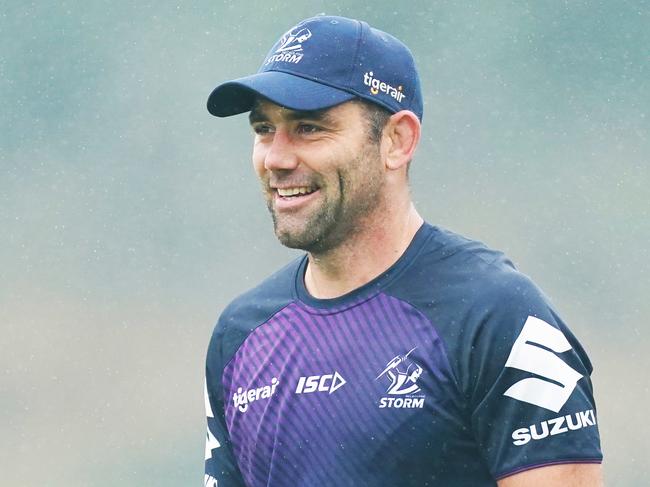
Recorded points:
450,368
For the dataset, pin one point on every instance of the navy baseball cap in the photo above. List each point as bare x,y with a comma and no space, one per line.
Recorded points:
324,61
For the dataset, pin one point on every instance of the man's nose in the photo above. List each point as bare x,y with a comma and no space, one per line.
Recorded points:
281,153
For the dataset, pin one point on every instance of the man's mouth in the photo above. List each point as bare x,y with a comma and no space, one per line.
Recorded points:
293,198
296,191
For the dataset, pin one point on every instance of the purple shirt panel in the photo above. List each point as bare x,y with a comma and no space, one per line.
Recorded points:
311,391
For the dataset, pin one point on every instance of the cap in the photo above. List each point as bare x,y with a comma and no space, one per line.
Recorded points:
324,61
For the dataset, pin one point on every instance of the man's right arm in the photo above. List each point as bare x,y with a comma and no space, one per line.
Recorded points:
220,462
236,322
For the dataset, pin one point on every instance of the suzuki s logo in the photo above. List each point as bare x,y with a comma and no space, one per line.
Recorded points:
320,383
535,351
290,50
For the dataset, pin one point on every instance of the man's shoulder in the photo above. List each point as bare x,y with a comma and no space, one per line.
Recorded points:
256,305
483,272
463,286
450,263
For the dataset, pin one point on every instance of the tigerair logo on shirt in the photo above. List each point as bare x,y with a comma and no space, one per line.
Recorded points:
290,50
377,86
402,375
243,398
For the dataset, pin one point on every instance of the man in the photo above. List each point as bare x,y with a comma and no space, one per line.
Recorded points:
394,353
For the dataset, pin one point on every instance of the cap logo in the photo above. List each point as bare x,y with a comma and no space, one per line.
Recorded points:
377,86
290,50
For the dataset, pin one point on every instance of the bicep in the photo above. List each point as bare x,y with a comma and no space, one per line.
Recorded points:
568,475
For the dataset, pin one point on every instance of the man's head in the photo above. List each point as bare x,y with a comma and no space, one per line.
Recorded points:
332,141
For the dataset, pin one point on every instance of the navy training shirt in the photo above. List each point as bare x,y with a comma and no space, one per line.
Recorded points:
450,368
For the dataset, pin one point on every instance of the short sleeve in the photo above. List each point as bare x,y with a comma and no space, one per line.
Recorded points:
531,397
220,463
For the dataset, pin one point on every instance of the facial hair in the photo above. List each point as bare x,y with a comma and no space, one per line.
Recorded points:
360,184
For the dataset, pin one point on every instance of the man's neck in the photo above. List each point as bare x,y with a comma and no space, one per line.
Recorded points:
363,256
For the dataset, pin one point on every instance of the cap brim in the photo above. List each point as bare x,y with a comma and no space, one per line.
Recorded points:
284,89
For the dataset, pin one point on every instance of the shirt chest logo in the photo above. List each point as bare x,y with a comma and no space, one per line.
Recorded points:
401,376
320,383
242,398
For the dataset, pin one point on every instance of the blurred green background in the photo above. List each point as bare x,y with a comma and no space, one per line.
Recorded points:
130,216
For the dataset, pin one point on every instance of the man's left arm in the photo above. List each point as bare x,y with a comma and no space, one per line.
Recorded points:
569,475
533,411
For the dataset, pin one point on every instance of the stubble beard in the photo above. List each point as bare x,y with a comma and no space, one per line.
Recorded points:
335,222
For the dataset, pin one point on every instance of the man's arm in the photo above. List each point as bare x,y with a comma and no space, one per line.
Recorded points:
530,390
569,475
221,467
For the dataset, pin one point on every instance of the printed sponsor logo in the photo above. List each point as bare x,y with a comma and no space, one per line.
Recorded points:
320,383
290,50
555,426
377,86
210,441
402,375
209,481
535,351
210,444
401,402
242,399
208,406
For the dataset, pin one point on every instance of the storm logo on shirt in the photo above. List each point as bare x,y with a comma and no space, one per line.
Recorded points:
403,374
242,398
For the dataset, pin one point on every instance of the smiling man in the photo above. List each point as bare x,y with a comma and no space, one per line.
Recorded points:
394,352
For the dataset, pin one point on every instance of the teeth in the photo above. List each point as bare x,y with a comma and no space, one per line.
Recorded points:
294,191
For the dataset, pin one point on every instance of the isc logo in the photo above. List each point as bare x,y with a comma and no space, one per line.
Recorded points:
321,383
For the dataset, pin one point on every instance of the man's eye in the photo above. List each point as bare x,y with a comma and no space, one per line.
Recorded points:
308,128
262,129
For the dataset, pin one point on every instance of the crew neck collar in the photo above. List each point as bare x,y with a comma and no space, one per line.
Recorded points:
365,291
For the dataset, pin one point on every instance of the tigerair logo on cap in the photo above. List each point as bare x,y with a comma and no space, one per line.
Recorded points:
290,50
377,86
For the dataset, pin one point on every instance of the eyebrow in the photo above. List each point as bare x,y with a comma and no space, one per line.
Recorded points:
323,115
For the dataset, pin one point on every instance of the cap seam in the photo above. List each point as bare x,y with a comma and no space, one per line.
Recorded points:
412,97
356,54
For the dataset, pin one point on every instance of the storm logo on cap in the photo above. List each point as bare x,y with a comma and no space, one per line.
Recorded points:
290,50
292,41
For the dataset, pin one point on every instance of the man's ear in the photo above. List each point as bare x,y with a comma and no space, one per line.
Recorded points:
400,137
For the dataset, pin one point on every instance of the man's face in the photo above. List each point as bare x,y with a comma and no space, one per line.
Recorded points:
321,175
